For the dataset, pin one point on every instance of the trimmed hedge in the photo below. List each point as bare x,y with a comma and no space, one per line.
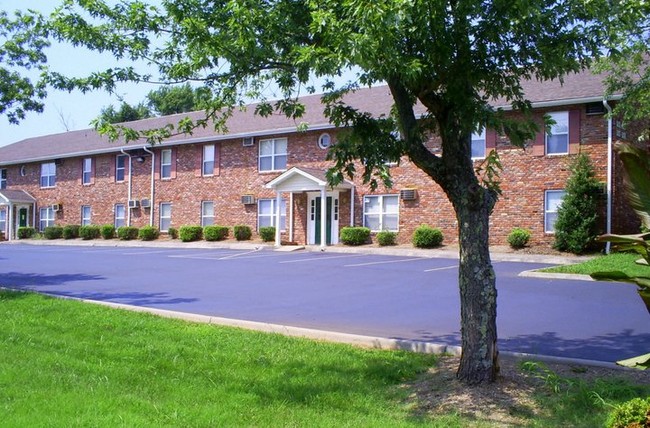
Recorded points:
632,413
190,233
108,231
127,233
427,237
518,237
215,233
89,232
148,233
355,235
267,233
242,232
172,232
53,232
71,231
26,232
386,237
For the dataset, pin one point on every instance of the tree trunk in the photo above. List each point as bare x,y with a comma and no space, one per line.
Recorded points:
478,294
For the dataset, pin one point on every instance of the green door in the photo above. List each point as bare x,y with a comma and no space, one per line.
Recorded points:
328,224
22,217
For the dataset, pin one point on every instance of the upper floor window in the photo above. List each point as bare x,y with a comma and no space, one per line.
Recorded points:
207,213
87,171
273,154
208,159
120,215
552,201
3,178
46,218
381,212
165,216
85,215
48,174
120,167
478,144
557,139
166,163
266,213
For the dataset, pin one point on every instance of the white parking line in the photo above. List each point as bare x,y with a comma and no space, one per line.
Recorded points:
136,253
232,256
441,268
383,262
321,258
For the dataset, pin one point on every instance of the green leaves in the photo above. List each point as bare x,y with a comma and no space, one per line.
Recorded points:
636,164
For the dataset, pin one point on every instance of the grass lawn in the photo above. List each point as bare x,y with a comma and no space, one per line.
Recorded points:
624,262
66,363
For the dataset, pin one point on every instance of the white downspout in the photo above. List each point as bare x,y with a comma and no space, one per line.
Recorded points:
608,227
128,209
291,216
352,206
323,218
11,222
278,218
151,197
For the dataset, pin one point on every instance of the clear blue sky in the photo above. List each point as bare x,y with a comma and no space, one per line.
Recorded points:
74,109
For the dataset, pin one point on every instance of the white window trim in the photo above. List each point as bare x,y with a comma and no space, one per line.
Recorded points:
273,155
548,134
86,221
163,164
51,178
46,220
478,137
324,141
3,222
283,213
116,218
161,216
3,178
85,171
547,211
203,216
381,213
117,168
208,149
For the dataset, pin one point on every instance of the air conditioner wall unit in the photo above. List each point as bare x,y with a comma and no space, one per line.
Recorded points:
247,141
134,203
57,207
247,199
408,194
145,203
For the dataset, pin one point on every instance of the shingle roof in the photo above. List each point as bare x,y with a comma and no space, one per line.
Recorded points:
15,196
376,100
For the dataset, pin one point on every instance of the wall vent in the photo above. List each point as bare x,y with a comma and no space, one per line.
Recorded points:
57,207
247,199
247,141
595,108
145,203
133,203
408,194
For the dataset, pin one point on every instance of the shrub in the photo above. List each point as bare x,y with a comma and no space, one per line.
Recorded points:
190,233
53,232
633,413
386,237
108,231
148,233
242,232
267,233
89,232
172,232
576,226
427,237
26,232
215,233
127,233
355,235
71,231
518,237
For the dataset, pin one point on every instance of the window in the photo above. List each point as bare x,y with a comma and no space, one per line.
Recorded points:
324,141
273,154
47,218
3,178
48,174
120,215
266,213
557,139
381,212
87,168
120,167
478,145
553,200
85,215
165,216
208,160
3,222
166,164
207,213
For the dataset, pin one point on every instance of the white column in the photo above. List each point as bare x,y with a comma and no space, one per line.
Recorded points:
352,206
10,219
291,216
278,200
323,218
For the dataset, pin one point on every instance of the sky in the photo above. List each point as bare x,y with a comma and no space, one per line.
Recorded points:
67,111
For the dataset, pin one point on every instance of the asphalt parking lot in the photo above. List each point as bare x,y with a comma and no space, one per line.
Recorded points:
402,297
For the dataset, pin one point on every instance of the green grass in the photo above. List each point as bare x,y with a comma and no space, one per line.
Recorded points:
624,262
66,363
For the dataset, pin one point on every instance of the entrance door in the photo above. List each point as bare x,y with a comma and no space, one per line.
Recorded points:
22,217
328,224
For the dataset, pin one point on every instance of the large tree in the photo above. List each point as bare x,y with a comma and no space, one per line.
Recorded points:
453,58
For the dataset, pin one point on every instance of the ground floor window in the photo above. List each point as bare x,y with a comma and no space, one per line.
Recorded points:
85,215
47,218
552,201
207,213
381,212
120,215
3,222
165,216
266,213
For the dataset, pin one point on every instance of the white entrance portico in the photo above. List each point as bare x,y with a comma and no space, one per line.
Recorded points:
323,203
15,206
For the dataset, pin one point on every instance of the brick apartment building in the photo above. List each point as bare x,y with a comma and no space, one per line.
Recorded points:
262,169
